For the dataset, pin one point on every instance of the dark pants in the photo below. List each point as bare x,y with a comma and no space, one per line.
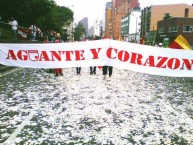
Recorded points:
78,69
107,69
92,69
14,34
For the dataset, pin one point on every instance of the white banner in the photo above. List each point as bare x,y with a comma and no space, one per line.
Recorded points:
135,57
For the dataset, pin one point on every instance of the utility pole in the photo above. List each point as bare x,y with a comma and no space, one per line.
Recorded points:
136,31
101,29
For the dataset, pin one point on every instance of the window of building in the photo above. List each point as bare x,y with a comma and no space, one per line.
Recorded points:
186,12
191,29
173,29
161,30
187,28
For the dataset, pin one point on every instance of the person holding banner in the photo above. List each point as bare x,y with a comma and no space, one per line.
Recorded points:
33,32
160,45
92,70
107,70
57,39
58,70
78,70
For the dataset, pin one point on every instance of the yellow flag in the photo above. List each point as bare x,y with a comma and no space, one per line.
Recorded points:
183,42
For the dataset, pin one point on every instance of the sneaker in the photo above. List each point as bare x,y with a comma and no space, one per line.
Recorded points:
56,75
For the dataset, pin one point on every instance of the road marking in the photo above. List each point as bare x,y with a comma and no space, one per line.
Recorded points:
12,137
4,74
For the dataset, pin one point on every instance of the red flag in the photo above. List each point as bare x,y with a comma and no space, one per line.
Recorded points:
22,32
175,45
180,43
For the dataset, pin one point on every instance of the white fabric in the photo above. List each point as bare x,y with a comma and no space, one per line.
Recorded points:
135,57
13,24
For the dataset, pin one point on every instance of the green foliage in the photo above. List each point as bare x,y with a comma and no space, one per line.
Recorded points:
94,37
45,14
79,32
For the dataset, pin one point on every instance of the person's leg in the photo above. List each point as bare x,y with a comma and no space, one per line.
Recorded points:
33,38
13,34
60,71
90,70
56,71
105,71
94,69
79,70
110,71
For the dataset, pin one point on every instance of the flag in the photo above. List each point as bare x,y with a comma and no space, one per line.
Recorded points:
180,43
22,32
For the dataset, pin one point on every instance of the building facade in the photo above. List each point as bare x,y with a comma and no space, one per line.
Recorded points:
134,4
91,31
130,26
151,15
108,18
171,28
68,30
120,8
84,22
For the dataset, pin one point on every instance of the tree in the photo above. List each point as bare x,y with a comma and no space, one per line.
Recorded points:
79,32
43,13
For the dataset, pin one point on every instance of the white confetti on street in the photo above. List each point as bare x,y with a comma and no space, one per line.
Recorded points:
130,108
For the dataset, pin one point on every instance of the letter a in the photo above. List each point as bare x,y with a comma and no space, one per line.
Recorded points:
11,55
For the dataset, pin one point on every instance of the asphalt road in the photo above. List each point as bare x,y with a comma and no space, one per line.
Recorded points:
130,108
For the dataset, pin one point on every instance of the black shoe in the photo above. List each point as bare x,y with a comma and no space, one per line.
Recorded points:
94,72
61,74
56,75
90,73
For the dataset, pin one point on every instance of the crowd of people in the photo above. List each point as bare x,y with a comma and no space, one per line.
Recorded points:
35,32
107,71
32,33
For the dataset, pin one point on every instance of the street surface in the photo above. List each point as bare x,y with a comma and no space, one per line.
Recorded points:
130,108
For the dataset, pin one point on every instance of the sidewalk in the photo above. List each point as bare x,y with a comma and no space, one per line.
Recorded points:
131,108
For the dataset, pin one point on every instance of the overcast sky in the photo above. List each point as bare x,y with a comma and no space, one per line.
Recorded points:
94,9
